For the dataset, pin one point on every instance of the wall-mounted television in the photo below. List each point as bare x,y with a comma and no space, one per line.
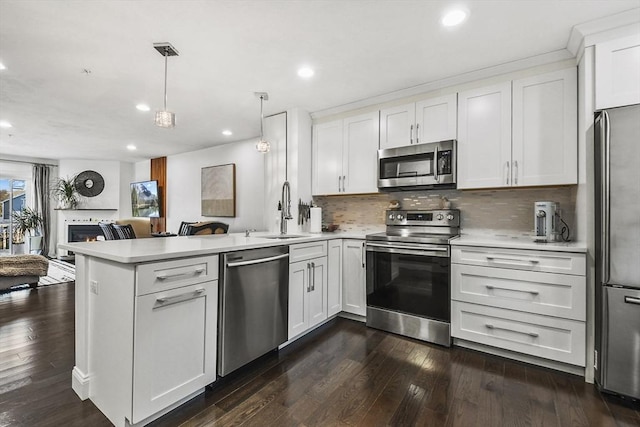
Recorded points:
145,200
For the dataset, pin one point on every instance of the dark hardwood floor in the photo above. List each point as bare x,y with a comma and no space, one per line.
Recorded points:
342,374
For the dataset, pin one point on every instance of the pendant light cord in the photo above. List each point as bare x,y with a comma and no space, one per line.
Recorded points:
166,55
261,119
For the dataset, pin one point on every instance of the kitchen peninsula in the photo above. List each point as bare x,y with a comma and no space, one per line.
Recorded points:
146,319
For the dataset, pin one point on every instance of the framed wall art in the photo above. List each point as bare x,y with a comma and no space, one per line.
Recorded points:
218,191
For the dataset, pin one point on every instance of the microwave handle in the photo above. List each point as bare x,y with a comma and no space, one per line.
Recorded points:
435,164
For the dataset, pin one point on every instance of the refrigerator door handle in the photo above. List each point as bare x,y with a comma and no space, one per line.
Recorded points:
606,208
632,300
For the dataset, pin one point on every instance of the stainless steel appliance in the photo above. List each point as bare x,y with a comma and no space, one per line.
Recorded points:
617,156
254,305
417,166
545,217
408,274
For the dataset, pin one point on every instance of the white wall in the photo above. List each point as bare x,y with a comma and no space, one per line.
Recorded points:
183,185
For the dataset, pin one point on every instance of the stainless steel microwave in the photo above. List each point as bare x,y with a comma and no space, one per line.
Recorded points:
417,167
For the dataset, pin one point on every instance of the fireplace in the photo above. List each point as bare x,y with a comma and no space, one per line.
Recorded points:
83,232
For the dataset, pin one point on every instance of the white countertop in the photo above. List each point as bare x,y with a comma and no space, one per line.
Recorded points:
160,248
517,242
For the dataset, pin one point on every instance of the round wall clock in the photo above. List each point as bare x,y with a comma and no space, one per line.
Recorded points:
89,183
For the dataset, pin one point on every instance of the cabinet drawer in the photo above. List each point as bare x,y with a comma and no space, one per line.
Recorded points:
533,334
521,259
306,251
160,276
542,293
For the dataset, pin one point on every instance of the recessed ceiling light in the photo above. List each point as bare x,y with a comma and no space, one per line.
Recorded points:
131,147
143,107
227,132
305,72
454,17
4,124
2,67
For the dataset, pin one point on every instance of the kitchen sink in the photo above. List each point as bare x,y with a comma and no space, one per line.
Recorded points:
282,236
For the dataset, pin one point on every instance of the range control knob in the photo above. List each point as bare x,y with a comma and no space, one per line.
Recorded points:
392,217
399,217
439,217
450,217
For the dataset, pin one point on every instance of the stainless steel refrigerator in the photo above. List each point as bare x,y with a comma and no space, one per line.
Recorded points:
617,191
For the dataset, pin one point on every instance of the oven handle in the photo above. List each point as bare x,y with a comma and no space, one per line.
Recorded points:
408,250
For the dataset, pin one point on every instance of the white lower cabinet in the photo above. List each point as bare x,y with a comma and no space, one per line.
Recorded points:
307,290
354,293
525,301
174,346
334,277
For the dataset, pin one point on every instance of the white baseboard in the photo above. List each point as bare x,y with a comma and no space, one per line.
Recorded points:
80,383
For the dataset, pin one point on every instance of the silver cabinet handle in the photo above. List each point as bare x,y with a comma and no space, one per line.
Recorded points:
492,287
506,176
344,180
513,261
308,277
165,301
364,252
411,135
531,334
313,276
515,172
339,183
632,300
256,261
186,273
418,133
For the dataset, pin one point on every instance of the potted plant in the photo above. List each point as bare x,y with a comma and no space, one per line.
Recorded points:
64,189
27,222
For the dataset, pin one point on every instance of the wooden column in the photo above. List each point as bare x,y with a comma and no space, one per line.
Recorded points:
159,173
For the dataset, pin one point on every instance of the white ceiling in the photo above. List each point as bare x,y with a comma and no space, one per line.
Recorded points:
231,49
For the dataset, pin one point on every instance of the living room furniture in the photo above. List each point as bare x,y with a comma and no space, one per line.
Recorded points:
22,269
141,226
201,228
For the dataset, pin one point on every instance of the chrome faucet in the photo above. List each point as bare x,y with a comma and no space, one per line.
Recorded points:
285,213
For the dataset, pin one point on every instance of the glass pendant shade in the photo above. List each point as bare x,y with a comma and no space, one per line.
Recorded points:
165,119
263,146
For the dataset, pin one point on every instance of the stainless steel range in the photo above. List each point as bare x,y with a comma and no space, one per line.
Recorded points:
408,274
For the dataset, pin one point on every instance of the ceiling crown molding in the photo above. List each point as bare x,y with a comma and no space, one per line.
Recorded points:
578,39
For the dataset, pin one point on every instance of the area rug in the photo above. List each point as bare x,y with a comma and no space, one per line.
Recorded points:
59,272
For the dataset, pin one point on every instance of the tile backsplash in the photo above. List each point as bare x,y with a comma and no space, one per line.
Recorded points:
500,211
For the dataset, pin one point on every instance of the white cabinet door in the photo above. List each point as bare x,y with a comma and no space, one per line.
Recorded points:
618,72
436,119
484,137
334,278
299,286
545,144
397,126
174,346
354,297
317,302
327,158
360,154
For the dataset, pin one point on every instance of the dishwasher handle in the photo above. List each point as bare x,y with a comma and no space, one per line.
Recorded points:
256,261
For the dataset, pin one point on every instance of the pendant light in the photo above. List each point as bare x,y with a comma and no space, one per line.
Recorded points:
262,145
164,118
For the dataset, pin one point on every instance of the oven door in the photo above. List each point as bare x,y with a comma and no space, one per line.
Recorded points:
408,278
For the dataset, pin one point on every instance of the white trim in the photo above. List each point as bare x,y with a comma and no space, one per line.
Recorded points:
80,383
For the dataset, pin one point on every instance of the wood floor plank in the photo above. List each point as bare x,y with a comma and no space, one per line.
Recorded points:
516,408
568,407
541,398
490,404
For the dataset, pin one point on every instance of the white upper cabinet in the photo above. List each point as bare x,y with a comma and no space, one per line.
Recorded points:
429,120
544,150
484,137
345,155
618,72
521,137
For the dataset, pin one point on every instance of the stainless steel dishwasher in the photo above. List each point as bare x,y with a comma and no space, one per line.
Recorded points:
254,305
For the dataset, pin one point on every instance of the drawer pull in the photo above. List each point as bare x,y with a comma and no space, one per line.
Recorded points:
514,261
188,273
531,334
492,287
164,301
632,300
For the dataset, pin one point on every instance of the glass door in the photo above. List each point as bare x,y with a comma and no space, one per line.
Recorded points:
12,199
